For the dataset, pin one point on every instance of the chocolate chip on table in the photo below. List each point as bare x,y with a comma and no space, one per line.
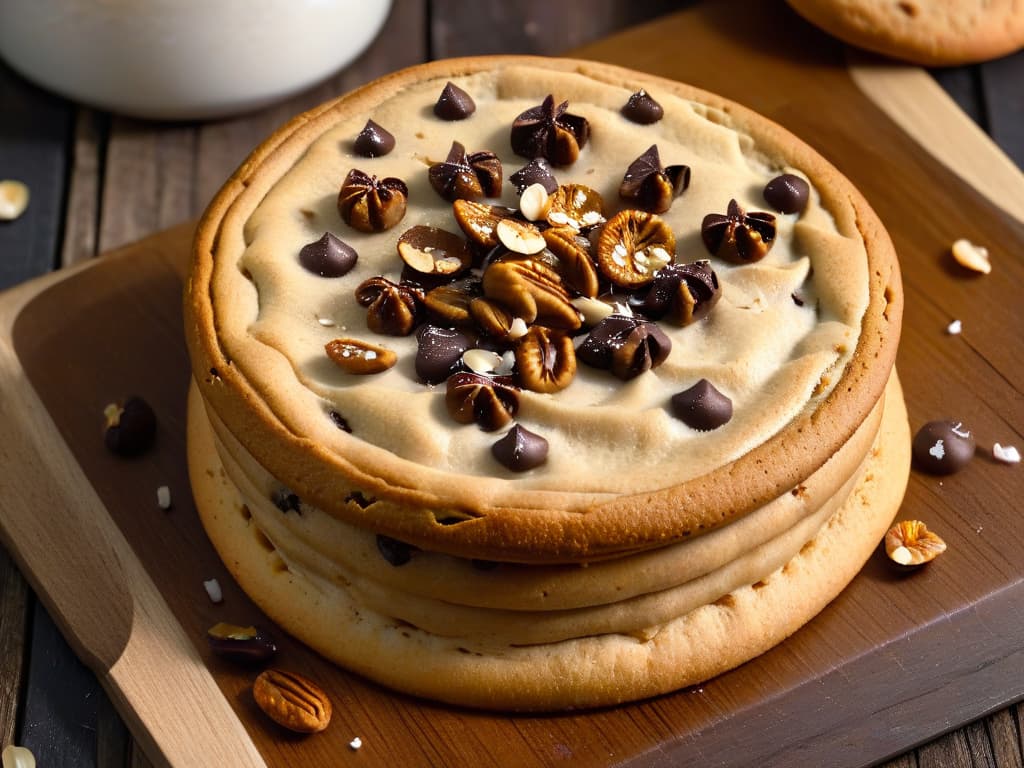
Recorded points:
328,257
520,450
642,109
130,426
702,406
787,193
246,645
439,352
394,551
537,171
548,131
943,447
373,141
454,103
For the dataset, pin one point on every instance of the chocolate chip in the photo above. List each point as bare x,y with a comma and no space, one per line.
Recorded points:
373,141
394,551
738,236
681,293
787,193
548,131
641,108
454,103
627,346
340,422
439,352
467,176
520,449
130,426
651,185
537,171
328,256
286,501
245,645
702,406
943,447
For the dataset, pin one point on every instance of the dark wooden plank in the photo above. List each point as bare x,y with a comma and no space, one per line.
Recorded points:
81,214
13,618
33,139
964,86
1002,83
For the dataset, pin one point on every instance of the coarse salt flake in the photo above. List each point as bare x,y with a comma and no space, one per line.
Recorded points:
356,743
1006,453
954,328
213,590
163,497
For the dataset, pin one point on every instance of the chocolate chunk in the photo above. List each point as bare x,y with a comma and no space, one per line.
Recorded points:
466,176
652,186
130,427
340,422
370,204
537,171
702,406
627,346
549,131
738,236
787,193
520,449
454,103
641,108
373,141
328,256
394,551
286,501
943,447
680,293
439,353
244,645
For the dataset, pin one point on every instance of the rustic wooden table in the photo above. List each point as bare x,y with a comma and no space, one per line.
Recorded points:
99,181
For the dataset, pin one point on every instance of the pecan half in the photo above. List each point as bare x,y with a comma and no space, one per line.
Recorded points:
480,221
545,360
292,700
550,132
492,318
738,236
574,260
392,309
449,304
370,204
681,293
577,206
490,401
532,290
651,185
359,357
633,246
469,176
627,346
433,251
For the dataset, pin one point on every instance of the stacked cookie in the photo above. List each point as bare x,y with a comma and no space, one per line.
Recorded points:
537,384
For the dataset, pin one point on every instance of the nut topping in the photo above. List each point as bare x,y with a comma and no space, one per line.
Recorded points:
633,246
532,290
373,141
627,346
449,303
909,542
520,237
359,357
14,197
479,221
550,132
466,176
433,251
492,318
738,236
681,293
490,401
971,256
241,644
454,103
369,204
292,700
577,206
575,262
652,186
642,109
535,202
545,359
392,309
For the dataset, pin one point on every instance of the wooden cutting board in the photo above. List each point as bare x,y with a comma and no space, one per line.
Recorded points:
895,660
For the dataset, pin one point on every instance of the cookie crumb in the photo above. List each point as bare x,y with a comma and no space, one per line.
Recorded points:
1007,454
356,743
214,591
954,328
163,497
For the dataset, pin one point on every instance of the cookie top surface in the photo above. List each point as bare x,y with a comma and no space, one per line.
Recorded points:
927,32
778,343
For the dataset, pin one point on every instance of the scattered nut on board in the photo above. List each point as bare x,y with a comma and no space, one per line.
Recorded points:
292,700
18,757
909,542
973,257
14,198
1007,454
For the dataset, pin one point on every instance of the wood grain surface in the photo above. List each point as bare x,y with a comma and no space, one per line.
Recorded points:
99,182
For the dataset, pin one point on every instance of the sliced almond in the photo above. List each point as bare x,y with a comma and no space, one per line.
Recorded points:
535,202
973,257
520,237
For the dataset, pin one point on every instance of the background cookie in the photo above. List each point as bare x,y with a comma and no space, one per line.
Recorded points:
927,32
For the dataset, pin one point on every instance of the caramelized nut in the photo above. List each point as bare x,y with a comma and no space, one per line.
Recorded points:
433,251
550,132
359,357
391,309
450,303
466,176
545,359
370,204
532,290
909,542
738,236
577,206
973,257
480,221
633,246
292,700
574,260
490,401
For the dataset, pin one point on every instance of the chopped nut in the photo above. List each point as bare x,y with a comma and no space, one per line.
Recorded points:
369,204
909,542
434,251
359,357
550,132
633,246
535,202
520,237
213,590
466,176
546,360
577,206
391,309
738,236
1007,454
594,310
14,197
292,700
574,260
490,401
479,221
532,290
971,256
481,360
450,303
